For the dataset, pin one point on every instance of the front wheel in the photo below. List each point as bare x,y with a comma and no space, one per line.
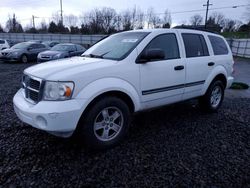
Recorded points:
24,59
105,124
213,98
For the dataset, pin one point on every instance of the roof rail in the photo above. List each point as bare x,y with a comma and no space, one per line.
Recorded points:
196,28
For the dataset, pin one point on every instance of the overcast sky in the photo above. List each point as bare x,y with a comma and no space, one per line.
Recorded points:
24,9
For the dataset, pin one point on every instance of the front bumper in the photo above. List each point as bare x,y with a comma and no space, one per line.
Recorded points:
56,117
9,59
230,80
40,60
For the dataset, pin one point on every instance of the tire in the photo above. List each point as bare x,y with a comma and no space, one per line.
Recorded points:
213,98
105,124
24,59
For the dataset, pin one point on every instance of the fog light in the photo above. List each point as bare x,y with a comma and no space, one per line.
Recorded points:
41,122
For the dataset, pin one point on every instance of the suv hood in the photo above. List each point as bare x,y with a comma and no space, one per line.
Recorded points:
65,68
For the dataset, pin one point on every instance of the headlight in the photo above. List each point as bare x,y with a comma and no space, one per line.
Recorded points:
15,53
56,56
58,91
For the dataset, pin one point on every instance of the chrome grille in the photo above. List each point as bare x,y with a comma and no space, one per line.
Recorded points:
32,88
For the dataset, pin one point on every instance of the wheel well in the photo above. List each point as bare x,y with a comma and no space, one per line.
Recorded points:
121,95
222,78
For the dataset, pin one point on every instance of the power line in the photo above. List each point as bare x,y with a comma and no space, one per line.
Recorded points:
176,12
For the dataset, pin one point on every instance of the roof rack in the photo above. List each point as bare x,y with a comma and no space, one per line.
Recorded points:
199,28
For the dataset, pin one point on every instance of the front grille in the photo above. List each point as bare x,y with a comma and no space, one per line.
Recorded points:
45,57
4,53
32,88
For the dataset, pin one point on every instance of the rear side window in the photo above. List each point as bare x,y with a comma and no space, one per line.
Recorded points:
2,42
195,45
218,45
167,43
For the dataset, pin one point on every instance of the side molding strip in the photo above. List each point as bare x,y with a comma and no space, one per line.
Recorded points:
163,89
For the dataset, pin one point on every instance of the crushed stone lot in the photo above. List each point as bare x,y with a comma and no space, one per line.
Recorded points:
175,146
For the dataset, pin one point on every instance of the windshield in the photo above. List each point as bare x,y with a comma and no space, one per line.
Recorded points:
20,45
61,47
116,47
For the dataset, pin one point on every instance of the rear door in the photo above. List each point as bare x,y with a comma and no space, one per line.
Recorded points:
162,81
198,63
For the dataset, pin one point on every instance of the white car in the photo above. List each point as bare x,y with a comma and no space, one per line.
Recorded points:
4,44
95,95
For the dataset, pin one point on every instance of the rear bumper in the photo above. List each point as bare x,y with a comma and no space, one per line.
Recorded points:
56,117
230,80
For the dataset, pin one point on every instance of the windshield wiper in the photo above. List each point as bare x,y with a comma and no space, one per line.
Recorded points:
96,56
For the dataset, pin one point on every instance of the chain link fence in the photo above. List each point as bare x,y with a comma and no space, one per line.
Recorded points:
240,47
86,40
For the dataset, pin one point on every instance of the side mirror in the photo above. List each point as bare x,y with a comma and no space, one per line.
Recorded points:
29,48
151,55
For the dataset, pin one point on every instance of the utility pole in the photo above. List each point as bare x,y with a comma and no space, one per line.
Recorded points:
207,5
33,21
61,12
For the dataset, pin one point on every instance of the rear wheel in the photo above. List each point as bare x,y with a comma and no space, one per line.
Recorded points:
24,59
213,98
105,124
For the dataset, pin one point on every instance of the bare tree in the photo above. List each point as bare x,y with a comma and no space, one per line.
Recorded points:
70,20
13,26
196,20
167,19
109,20
140,19
218,18
56,18
153,20
126,20
229,25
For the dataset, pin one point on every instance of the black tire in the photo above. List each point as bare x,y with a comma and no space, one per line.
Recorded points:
24,58
207,103
92,138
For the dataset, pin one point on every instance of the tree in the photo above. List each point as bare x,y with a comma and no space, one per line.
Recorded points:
140,19
217,18
229,25
43,27
13,26
74,30
126,20
70,20
167,19
153,20
52,27
31,30
1,29
245,27
196,20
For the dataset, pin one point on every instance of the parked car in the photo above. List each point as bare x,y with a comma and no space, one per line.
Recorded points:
4,44
23,52
94,95
50,44
60,51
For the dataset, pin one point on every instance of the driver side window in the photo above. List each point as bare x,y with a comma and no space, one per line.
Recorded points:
166,42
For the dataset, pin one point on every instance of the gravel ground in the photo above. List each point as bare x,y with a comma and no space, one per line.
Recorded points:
175,146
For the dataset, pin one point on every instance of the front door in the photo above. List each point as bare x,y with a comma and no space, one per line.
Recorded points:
162,82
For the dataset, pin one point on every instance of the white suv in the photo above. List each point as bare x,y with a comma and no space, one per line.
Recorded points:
94,95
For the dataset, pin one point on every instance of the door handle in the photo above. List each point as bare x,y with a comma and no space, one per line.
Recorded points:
210,64
180,67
